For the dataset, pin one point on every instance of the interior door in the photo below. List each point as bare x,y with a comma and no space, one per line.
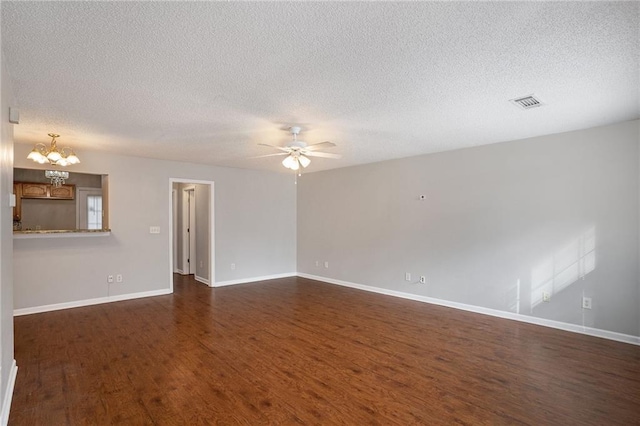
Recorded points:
189,230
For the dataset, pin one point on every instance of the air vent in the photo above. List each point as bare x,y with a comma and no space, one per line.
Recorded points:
527,102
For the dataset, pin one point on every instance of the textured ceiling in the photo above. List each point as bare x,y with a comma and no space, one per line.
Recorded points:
207,81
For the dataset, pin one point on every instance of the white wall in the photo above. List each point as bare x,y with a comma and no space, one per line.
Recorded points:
500,224
255,228
6,247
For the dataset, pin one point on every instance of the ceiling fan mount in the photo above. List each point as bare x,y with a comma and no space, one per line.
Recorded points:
295,144
295,130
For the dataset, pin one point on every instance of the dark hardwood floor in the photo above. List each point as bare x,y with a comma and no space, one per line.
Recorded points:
296,351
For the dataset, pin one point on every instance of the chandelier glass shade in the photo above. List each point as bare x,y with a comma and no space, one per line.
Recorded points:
53,155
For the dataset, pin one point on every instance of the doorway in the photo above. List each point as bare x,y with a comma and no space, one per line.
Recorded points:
89,208
192,237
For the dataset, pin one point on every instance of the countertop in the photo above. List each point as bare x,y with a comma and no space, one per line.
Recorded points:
44,233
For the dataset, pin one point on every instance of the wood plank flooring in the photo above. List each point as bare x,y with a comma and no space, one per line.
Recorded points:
297,351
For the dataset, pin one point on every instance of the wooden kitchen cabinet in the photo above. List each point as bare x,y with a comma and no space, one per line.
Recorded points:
17,210
64,192
45,190
35,190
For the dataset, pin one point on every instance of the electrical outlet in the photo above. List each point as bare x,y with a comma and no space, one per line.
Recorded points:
233,266
423,279
119,278
546,296
110,278
586,303
201,264
326,264
407,276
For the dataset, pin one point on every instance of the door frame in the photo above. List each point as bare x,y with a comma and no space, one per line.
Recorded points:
174,230
211,236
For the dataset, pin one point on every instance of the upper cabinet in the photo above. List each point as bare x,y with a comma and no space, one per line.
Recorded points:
64,192
34,190
45,190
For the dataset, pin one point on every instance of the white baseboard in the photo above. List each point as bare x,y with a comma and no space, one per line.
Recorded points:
8,396
89,302
611,335
117,298
178,271
200,279
254,279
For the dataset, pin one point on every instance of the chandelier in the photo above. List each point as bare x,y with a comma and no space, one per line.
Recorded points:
57,177
54,156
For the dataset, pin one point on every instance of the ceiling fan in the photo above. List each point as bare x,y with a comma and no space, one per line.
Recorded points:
298,152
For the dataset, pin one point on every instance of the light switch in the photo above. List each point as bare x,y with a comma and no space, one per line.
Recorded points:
12,200
154,229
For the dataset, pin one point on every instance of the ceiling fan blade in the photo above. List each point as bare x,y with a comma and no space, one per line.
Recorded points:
321,145
285,149
271,155
323,155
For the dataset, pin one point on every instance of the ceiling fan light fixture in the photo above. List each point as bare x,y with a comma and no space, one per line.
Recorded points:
304,161
295,165
289,162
